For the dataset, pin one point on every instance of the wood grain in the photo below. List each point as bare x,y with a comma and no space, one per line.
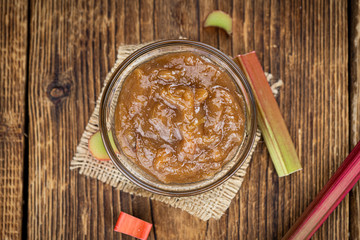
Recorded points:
13,50
72,47
301,44
354,86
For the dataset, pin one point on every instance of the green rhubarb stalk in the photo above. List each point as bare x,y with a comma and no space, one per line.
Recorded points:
219,19
270,120
97,148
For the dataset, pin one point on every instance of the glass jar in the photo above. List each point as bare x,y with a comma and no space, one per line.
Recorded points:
109,101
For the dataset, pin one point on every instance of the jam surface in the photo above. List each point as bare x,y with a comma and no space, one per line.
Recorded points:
178,117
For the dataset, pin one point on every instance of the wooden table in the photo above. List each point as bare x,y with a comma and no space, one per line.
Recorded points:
54,57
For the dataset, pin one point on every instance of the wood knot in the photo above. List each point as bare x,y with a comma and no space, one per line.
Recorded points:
56,91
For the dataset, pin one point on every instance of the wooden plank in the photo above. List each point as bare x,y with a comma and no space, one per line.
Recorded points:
138,28
173,20
73,46
354,86
304,44
13,50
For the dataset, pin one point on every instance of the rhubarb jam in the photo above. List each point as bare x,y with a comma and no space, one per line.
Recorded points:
179,116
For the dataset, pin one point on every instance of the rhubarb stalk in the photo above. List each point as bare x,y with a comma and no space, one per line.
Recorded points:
97,148
219,19
132,226
269,118
329,198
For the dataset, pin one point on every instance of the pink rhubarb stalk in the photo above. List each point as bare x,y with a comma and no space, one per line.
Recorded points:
327,200
132,226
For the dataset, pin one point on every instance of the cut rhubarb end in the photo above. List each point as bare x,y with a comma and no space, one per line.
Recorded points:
132,226
219,19
97,148
339,185
269,118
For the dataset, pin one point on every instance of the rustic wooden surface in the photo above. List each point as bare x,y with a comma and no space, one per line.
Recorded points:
354,82
13,76
55,56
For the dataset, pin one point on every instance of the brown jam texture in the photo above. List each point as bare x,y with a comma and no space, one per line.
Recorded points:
178,117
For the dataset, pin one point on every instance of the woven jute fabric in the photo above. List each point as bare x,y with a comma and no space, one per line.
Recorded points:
211,204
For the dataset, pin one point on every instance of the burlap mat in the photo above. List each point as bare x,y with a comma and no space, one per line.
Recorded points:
211,204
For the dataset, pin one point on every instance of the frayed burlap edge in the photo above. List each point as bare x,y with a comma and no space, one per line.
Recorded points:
211,204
